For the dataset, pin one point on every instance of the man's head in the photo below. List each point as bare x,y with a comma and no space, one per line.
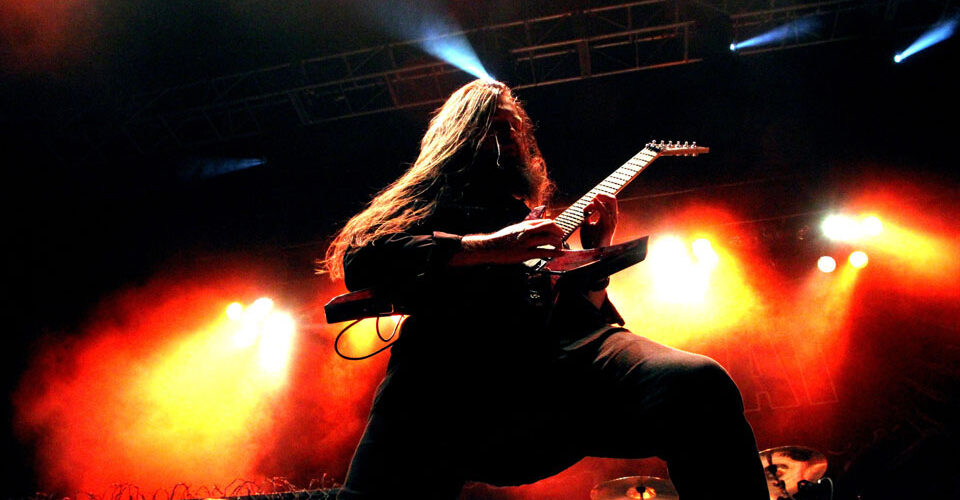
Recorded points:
482,131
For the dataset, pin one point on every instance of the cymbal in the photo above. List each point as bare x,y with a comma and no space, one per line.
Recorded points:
786,466
634,487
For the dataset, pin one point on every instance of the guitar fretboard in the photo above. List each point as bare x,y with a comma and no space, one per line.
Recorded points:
572,217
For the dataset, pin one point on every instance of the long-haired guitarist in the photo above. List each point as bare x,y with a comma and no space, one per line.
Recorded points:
486,384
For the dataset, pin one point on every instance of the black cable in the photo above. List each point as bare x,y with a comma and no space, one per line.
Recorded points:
395,328
336,342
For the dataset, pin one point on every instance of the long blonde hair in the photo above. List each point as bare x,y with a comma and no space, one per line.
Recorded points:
459,127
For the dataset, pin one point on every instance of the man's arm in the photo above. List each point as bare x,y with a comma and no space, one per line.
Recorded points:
402,257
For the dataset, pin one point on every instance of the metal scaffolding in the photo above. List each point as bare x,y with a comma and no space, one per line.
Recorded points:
613,39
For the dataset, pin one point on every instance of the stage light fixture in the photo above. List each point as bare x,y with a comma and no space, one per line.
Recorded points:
858,259
826,264
936,34
839,227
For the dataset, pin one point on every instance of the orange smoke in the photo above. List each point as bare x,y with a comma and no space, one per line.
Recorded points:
693,284
151,394
154,391
157,391
319,427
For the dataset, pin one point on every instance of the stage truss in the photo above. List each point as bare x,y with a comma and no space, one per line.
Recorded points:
620,37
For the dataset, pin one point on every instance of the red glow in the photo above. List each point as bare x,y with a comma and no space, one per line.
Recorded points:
148,394
918,245
155,393
41,35
151,395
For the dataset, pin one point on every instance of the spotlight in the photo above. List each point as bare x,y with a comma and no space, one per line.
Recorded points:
260,308
456,50
839,227
826,264
794,29
858,259
733,47
235,311
936,34
681,276
846,228
272,331
435,32
205,168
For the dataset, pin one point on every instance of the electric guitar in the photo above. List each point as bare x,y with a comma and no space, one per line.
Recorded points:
574,266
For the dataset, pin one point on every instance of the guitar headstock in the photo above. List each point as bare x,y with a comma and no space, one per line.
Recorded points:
671,148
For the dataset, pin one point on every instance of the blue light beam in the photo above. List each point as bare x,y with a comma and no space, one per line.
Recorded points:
206,168
432,27
792,29
456,50
933,36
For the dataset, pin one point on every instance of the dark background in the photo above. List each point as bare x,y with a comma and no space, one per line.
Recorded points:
790,124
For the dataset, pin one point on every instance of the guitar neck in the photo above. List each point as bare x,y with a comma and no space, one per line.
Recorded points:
573,216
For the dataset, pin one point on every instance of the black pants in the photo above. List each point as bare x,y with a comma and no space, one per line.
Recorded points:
616,395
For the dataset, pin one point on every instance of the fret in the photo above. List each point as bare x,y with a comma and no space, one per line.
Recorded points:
618,173
571,218
572,225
